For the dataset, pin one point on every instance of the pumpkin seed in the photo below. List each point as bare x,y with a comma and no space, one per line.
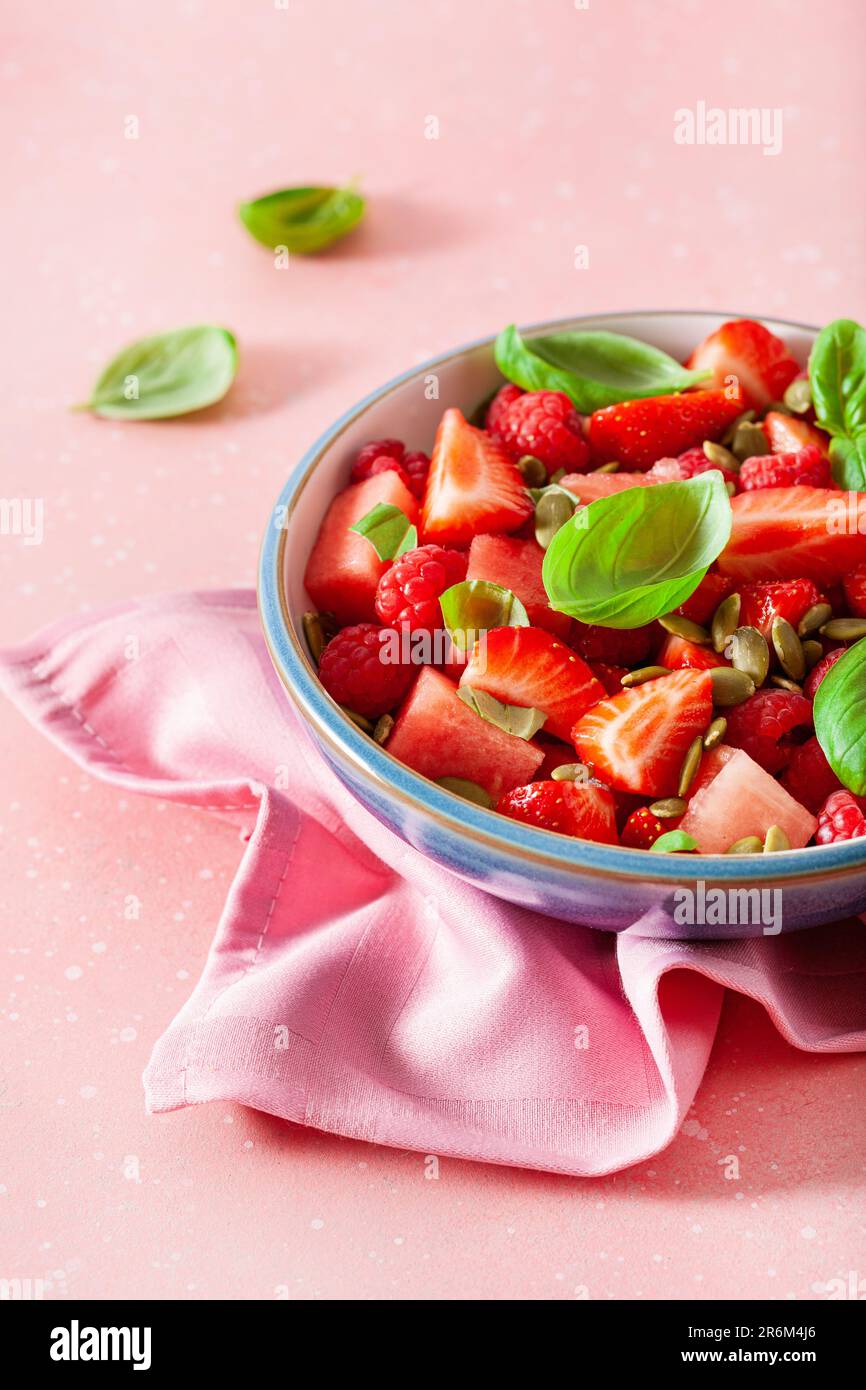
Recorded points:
814,618
383,728
571,772
645,673
532,471
750,844
783,683
557,476
314,635
361,720
684,627
749,441
750,653
726,620
716,732
798,396
812,651
608,467
775,840
789,648
844,629
731,488
730,687
330,626
720,456
470,791
668,807
746,418
554,508
691,763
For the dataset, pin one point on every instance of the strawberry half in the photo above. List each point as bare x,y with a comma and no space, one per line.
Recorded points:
585,809
472,486
702,604
747,350
793,533
679,654
637,740
637,433
761,603
529,667
786,434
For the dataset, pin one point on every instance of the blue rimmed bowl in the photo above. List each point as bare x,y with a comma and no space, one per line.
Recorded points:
598,885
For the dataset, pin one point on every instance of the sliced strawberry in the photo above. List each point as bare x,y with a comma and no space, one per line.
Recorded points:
786,433
792,533
678,654
761,603
617,646
584,809
749,352
809,777
703,603
637,740
516,564
529,667
639,432
472,486
854,585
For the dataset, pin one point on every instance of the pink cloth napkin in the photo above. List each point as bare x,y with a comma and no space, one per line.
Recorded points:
354,986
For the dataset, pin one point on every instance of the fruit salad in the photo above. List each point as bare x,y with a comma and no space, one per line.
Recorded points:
625,600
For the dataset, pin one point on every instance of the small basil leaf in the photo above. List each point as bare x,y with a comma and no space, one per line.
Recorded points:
840,718
636,555
594,369
673,842
837,376
389,531
474,606
165,375
470,791
848,459
513,719
303,220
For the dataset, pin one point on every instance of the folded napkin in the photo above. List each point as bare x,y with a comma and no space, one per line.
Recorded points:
353,985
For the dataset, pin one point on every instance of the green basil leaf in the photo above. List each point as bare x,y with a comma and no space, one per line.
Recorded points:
636,555
594,369
470,791
166,375
848,459
303,220
474,606
673,842
389,531
837,377
840,717
513,719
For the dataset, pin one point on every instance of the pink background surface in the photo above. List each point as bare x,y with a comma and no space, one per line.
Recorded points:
556,130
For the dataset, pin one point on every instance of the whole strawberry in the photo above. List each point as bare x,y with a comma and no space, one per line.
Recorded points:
408,593
840,818
642,829
806,468
358,669
761,602
546,425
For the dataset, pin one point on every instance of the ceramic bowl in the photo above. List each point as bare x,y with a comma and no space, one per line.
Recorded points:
575,880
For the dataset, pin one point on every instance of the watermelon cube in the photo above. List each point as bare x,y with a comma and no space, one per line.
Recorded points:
343,569
742,799
439,736
516,565
588,487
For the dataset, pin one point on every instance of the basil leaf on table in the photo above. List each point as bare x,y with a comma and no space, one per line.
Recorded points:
837,377
166,375
636,555
389,531
593,368
476,605
840,718
304,220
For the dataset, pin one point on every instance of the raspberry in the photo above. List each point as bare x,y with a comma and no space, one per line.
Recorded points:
809,777
355,670
505,396
761,603
546,425
688,465
614,646
761,724
840,818
819,671
806,467
642,829
854,585
408,592
417,466
379,448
